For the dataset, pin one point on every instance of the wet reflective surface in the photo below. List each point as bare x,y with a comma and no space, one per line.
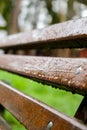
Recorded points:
70,72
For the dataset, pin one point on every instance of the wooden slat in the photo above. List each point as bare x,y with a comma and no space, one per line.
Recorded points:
34,114
71,34
70,72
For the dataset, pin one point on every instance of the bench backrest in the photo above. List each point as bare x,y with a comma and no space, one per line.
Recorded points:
65,73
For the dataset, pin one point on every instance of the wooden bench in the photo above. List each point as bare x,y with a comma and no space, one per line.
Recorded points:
65,73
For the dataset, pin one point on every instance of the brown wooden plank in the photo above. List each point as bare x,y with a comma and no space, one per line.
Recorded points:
71,34
70,72
34,114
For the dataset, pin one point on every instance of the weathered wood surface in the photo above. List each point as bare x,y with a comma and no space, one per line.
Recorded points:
70,72
71,34
34,114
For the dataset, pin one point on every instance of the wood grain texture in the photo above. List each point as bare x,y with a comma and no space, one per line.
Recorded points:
64,73
70,34
33,114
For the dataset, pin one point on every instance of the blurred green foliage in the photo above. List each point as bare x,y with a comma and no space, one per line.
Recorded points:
6,9
63,101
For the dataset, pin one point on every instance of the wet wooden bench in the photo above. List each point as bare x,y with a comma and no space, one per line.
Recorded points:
48,70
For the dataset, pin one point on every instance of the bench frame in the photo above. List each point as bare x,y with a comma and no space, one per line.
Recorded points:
32,113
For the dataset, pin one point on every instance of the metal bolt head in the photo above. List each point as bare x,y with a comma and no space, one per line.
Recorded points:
49,126
78,70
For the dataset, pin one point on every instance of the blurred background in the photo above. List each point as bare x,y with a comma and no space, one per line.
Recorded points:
24,16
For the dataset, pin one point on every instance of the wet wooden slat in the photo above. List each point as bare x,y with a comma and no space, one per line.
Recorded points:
71,34
33,114
64,73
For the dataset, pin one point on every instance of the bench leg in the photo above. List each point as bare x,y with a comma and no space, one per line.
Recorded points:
81,113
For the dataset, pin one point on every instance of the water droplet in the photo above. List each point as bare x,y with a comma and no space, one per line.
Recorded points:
69,82
65,80
39,75
55,78
42,75
34,73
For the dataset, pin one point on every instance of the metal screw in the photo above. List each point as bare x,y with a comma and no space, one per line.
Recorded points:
49,126
79,70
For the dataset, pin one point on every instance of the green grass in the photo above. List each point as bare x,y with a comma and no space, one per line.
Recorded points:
63,101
